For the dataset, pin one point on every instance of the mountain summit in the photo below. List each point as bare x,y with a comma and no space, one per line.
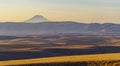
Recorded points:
37,19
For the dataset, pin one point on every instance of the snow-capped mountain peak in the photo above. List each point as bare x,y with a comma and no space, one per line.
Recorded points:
37,19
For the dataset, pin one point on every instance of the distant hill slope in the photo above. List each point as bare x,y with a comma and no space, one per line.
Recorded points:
59,27
8,37
80,58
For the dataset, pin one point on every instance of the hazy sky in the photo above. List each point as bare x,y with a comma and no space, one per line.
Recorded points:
60,10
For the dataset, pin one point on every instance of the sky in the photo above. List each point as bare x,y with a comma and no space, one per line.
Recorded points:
87,11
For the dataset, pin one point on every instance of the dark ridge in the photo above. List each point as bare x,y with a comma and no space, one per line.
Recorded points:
57,52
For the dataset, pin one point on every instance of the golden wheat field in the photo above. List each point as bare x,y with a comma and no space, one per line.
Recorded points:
101,59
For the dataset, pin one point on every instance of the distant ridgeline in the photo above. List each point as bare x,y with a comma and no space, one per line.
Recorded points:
19,29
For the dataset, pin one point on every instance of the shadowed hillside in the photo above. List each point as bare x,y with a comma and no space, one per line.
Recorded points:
57,52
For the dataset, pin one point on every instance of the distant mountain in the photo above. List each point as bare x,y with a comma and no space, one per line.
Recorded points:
16,29
37,19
